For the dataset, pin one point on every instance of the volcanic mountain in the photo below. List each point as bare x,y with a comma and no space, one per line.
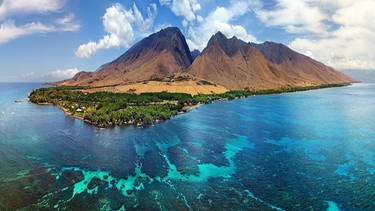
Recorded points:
156,56
235,64
231,63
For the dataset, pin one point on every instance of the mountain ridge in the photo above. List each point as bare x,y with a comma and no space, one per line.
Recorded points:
234,64
284,56
229,62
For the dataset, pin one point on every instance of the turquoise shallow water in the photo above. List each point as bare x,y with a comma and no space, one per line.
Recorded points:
312,150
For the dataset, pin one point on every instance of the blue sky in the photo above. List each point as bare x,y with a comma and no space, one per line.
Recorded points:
44,40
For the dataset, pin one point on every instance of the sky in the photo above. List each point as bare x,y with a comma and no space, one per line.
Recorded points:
49,40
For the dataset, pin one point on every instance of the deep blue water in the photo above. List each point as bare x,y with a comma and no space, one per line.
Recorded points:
312,150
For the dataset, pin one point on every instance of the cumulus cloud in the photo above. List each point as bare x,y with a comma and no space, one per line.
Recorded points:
119,26
221,19
11,9
340,53
184,8
61,74
350,40
144,25
299,16
338,33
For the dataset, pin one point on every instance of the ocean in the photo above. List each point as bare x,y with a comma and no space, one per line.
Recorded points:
312,150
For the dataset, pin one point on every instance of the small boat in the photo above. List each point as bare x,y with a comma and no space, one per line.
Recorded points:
20,101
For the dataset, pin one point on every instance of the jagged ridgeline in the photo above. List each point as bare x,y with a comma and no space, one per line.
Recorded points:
231,63
236,64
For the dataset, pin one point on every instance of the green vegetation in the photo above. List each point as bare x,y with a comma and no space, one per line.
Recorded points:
182,78
107,108
204,82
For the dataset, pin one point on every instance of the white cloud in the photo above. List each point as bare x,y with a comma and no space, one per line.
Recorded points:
9,30
144,25
67,23
118,23
221,19
61,74
49,76
350,41
183,8
19,77
24,7
338,33
297,16
165,2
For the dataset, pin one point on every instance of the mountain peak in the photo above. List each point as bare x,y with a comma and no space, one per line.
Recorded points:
218,37
231,62
156,56
230,46
170,38
170,30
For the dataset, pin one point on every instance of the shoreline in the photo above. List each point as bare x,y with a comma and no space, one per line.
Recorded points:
183,111
141,122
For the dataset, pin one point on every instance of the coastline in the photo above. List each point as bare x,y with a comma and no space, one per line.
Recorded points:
141,122
183,111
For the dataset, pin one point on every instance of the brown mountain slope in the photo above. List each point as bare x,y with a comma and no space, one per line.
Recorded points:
236,65
156,56
230,63
298,65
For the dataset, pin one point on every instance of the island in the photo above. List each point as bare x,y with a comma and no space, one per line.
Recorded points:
105,108
160,77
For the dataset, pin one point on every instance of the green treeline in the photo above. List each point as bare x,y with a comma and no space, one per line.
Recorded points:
108,108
